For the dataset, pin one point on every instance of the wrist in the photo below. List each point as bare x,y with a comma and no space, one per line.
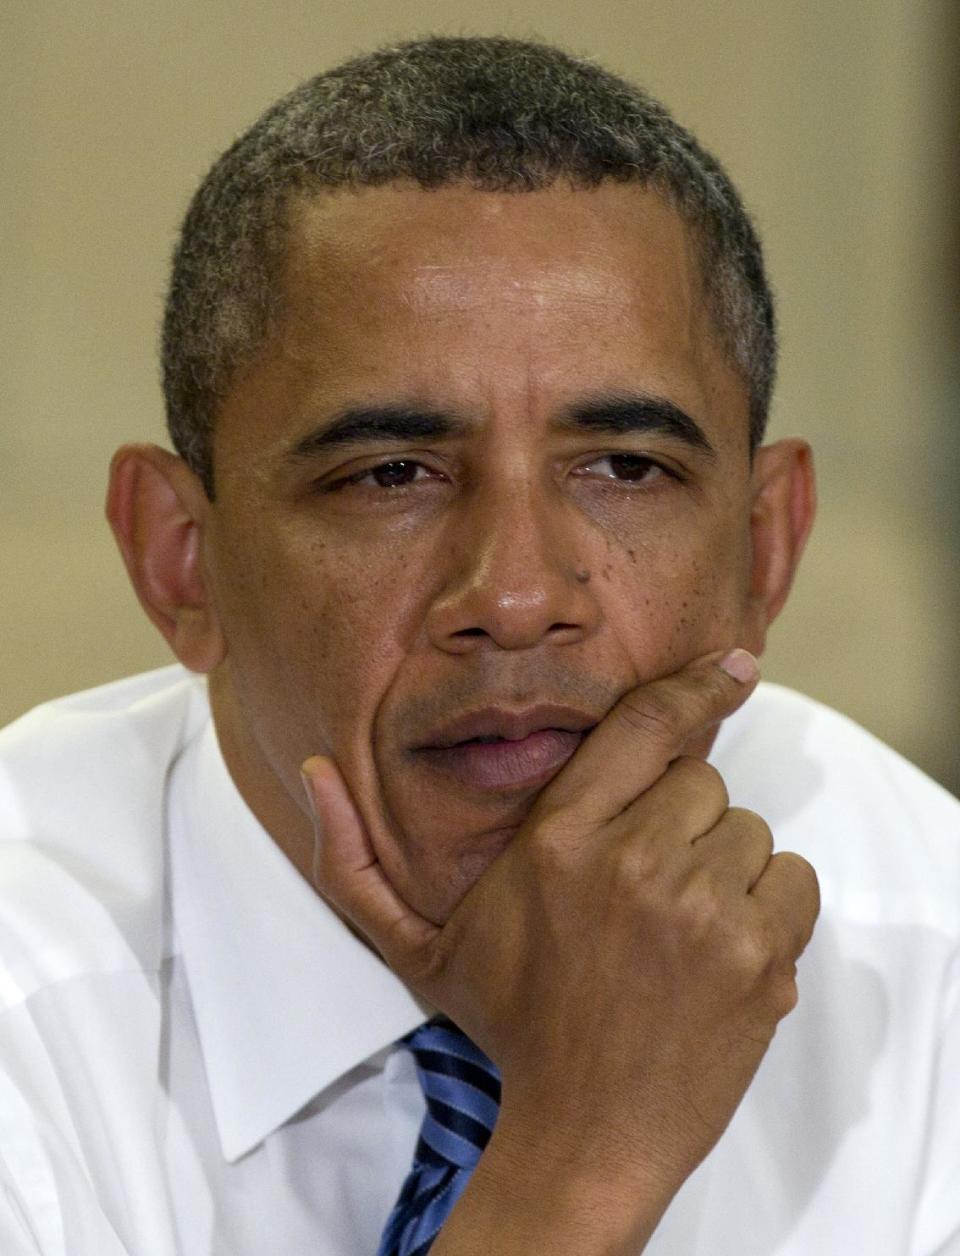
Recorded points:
538,1188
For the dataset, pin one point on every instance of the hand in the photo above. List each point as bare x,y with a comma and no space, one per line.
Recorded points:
626,960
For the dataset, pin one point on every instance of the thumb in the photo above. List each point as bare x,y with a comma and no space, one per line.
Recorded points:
347,872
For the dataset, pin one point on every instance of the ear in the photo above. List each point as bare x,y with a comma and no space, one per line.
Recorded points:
157,509
781,516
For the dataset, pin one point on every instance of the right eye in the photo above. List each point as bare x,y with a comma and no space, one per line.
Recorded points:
397,474
389,474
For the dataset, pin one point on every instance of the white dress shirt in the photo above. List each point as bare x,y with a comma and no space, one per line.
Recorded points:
195,1054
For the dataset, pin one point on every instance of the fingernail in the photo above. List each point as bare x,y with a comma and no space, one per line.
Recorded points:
309,792
741,665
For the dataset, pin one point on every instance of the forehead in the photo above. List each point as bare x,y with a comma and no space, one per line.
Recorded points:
474,299
402,213
451,248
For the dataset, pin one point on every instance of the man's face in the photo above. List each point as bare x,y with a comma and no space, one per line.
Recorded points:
490,471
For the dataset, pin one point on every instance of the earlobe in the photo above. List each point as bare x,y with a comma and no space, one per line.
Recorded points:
156,507
783,509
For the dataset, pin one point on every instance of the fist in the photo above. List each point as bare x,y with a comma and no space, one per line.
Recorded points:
626,960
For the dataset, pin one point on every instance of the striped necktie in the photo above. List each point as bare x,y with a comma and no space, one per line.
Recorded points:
462,1090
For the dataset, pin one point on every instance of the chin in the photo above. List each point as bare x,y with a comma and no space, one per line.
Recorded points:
437,891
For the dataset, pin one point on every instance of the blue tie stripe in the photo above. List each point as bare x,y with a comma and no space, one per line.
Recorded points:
451,1145
480,1078
462,1091
425,1154
428,1224
461,1096
406,1231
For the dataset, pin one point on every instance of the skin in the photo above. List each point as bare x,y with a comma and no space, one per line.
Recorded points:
674,931
518,560
517,569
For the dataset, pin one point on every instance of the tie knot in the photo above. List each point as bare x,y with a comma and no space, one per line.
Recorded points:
462,1090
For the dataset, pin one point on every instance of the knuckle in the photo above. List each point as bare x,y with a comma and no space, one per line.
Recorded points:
651,715
784,996
430,969
552,847
804,884
754,958
776,984
766,970
749,820
718,688
807,875
701,910
753,827
798,867
637,871
668,711
705,779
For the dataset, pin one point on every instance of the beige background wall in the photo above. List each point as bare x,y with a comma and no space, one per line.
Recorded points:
833,118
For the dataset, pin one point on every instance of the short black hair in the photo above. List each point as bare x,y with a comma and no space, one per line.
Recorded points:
492,113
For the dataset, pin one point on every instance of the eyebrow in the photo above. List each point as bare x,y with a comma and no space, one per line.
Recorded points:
611,415
618,413
367,424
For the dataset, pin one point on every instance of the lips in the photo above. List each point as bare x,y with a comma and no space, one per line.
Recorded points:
499,750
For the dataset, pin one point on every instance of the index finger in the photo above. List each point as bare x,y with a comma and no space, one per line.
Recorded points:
644,732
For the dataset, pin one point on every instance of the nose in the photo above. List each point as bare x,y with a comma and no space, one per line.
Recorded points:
516,578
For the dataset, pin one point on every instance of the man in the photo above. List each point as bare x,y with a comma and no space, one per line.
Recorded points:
467,355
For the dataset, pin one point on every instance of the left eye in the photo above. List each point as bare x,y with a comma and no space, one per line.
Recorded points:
389,474
627,468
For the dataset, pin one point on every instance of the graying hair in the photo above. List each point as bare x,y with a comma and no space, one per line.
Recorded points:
496,114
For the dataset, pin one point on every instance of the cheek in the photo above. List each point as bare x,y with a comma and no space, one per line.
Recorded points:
313,631
673,602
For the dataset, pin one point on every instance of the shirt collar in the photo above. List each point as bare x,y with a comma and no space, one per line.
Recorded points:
286,999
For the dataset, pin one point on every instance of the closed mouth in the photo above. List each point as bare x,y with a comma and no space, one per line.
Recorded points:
522,751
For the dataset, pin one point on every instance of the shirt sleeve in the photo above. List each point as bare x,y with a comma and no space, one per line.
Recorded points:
937,1232
47,1205
15,1236
47,1208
